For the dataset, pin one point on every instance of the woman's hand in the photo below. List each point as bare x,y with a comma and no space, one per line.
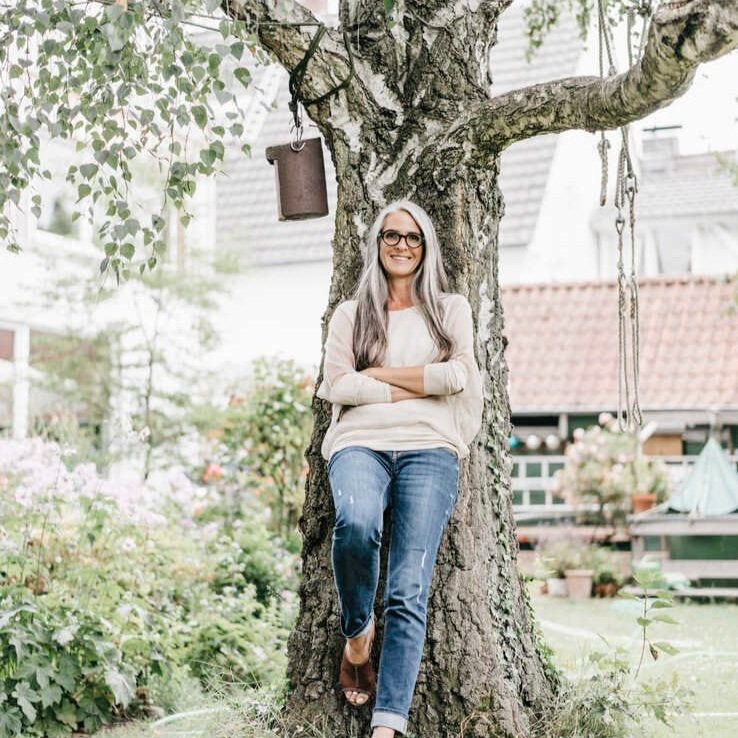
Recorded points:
370,371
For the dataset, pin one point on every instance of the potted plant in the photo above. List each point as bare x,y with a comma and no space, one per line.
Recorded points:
580,573
648,480
557,553
607,579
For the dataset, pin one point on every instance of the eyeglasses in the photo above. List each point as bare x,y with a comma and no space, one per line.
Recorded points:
392,238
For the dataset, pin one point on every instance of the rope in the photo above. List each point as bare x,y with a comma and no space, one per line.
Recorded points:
626,186
297,74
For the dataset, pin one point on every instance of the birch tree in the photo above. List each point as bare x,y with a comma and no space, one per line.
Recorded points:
419,118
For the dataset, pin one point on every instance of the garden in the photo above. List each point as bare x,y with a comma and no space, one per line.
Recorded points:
163,607
123,599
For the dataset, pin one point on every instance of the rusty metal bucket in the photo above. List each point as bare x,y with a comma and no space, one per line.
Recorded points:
300,175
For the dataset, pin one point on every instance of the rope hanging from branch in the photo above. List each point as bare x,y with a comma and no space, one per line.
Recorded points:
629,415
297,74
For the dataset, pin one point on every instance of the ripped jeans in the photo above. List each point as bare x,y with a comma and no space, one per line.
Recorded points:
420,486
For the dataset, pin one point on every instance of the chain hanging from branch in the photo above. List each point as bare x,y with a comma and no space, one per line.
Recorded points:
629,415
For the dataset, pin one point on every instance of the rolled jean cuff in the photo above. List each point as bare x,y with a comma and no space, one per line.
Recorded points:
386,719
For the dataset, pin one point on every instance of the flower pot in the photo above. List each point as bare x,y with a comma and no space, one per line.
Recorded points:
556,587
643,501
605,589
579,582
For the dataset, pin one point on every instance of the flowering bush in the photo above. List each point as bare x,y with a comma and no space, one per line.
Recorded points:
258,442
108,584
604,468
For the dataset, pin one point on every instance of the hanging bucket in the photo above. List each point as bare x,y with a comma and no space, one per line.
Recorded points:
300,176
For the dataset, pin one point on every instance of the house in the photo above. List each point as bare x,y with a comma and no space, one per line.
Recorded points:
562,357
550,185
687,213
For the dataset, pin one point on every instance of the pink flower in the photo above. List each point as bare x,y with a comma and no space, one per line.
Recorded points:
213,471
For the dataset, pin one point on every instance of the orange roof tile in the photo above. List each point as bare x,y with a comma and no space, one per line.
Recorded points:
563,343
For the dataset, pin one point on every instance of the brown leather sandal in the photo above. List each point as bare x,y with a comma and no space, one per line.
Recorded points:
358,677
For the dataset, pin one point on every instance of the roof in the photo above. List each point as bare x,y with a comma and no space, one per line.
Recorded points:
246,205
695,185
562,350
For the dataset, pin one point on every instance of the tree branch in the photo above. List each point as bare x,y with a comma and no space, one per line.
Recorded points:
683,34
279,32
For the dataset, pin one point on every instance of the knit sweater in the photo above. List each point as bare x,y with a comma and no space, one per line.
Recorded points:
450,416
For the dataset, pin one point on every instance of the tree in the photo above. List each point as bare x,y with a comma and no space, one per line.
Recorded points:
416,119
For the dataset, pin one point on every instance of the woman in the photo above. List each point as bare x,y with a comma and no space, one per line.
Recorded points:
399,368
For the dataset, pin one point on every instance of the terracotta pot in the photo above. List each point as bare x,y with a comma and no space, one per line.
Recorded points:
643,501
579,582
606,589
556,587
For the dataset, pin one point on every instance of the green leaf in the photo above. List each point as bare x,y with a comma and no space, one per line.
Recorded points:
88,170
42,674
200,115
643,621
237,49
207,156
242,75
50,695
11,722
67,713
666,647
218,149
664,618
25,696
128,250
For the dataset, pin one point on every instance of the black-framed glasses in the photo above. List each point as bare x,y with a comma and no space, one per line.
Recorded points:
391,237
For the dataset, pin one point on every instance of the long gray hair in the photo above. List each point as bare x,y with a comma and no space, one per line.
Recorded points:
429,284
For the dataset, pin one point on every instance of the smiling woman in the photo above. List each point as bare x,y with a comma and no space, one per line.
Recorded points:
400,358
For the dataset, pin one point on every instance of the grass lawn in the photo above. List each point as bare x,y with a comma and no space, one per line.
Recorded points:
707,662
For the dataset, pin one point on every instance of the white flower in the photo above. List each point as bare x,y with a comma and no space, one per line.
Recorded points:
604,418
144,433
128,544
578,434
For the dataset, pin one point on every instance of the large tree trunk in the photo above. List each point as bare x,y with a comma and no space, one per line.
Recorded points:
481,668
417,121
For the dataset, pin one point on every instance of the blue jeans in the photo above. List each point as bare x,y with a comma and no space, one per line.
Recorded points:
420,486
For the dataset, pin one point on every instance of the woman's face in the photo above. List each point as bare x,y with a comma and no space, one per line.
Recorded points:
400,260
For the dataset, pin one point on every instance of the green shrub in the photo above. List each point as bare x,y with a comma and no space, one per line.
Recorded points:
235,639
65,668
108,607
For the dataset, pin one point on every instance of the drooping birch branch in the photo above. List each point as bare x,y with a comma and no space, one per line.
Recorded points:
682,35
280,32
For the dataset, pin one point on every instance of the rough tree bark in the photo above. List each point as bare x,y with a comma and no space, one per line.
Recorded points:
418,120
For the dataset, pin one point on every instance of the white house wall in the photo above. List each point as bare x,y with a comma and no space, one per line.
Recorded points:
561,247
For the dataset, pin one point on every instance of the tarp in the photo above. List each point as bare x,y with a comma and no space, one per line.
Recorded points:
711,487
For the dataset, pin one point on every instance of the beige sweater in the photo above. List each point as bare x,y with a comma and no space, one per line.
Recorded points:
450,417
